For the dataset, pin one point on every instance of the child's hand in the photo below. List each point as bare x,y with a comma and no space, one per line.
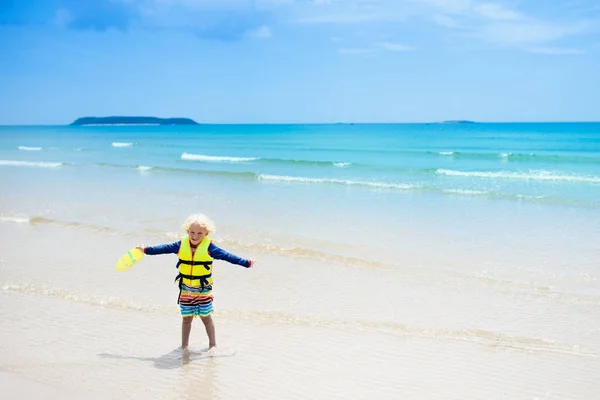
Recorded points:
251,263
141,247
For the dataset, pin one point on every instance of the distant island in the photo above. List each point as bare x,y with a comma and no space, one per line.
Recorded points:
459,121
132,121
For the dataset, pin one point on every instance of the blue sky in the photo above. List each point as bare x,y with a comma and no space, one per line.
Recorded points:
236,61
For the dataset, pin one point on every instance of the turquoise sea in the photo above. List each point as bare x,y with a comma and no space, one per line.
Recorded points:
543,163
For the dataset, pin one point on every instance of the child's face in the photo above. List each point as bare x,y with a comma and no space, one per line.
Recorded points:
196,233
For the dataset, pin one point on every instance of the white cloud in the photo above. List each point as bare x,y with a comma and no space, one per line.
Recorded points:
393,46
472,9
448,6
499,22
497,12
555,51
526,33
375,48
445,21
350,11
355,51
261,32
340,18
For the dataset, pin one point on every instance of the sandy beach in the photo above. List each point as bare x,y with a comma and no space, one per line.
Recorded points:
355,332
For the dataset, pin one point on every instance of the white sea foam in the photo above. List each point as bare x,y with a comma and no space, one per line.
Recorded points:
299,179
201,157
28,148
41,164
341,164
18,220
530,175
446,153
121,144
143,168
466,192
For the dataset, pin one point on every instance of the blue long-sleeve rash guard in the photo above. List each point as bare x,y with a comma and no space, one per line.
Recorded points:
215,252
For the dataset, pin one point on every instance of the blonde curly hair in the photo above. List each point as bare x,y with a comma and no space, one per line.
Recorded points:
201,220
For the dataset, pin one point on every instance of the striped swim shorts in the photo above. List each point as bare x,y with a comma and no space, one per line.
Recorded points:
196,302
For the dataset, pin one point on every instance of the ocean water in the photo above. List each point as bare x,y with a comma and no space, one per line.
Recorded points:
392,185
538,163
425,249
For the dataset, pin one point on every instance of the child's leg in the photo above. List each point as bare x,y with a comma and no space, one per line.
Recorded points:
210,331
186,328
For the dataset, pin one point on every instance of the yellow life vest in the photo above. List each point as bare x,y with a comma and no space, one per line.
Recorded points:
195,270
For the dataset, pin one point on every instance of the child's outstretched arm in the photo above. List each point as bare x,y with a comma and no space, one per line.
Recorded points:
168,248
219,254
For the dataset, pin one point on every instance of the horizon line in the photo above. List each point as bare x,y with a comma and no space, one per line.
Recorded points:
454,122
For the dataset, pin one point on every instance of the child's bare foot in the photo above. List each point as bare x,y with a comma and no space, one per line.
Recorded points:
185,356
212,350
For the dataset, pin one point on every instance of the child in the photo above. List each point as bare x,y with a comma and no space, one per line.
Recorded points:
196,253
